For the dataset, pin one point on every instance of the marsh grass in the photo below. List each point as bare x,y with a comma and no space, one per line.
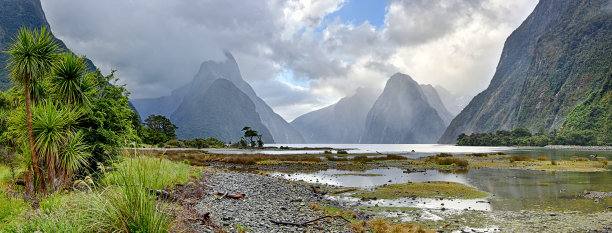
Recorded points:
452,161
364,158
515,158
250,159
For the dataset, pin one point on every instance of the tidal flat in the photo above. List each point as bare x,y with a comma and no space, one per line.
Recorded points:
491,193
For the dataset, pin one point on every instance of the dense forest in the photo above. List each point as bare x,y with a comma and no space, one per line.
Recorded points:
522,137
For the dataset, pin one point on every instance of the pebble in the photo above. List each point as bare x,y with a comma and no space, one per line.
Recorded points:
267,198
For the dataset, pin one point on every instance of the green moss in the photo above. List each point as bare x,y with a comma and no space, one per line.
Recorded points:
426,189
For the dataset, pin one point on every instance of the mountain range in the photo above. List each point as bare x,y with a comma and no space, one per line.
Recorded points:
186,105
405,112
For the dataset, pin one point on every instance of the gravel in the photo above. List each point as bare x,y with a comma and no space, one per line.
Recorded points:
267,198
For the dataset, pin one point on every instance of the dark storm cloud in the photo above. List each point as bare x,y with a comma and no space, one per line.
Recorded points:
157,45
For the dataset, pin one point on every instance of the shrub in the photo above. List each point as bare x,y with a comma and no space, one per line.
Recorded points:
342,152
542,158
378,225
579,159
519,158
553,162
327,152
174,144
442,155
450,161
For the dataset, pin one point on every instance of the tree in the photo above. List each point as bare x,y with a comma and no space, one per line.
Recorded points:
250,134
32,55
110,123
158,129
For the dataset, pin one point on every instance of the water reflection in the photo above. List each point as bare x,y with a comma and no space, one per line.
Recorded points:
423,203
522,188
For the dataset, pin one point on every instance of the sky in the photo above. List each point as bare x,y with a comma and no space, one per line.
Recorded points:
299,55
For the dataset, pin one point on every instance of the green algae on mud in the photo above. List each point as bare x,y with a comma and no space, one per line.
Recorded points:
428,189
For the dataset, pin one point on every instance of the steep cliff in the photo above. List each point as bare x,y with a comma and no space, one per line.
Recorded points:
558,56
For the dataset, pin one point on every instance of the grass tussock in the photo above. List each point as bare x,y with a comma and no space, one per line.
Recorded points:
127,205
542,158
379,225
160,173
515,158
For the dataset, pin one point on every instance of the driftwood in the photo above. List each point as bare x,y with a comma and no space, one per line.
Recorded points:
308,222
226,195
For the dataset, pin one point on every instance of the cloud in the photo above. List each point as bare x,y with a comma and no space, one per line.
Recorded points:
157,45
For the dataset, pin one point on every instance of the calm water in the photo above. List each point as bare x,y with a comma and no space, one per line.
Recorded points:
511,189
421,150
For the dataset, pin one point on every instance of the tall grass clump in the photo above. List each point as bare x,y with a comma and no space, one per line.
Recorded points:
127,205
158,173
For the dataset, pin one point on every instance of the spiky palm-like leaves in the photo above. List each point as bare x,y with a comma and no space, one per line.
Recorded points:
68,80
62,151
32,55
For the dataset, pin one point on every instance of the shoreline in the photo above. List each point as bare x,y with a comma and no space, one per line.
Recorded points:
580,148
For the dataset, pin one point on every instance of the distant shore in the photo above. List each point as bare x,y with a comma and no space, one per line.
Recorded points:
584,148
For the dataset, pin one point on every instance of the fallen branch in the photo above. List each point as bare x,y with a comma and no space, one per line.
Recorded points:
237,196
308,222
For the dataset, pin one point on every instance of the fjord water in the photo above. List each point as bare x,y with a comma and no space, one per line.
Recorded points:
421,150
